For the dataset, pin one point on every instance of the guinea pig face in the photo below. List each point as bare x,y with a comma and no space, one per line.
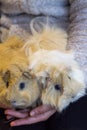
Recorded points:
63,88
25,92
52,88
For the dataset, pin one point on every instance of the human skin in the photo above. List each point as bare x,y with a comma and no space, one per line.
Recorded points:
41,113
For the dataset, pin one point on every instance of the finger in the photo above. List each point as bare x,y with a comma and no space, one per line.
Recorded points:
32,120
16,114
9,117
40,109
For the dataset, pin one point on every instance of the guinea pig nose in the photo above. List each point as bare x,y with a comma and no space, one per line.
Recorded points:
57,87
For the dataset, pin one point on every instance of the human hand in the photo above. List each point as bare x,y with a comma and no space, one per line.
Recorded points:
41,113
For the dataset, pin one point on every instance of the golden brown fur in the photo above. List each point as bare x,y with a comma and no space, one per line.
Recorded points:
24,92
13,67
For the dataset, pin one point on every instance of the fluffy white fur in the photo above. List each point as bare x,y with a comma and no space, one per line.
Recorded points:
54,66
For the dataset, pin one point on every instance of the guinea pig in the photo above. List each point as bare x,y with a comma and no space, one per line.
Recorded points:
15,86
62,81
8,51
63,87
56,70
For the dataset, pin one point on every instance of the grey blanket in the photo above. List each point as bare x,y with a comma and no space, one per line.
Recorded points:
71,15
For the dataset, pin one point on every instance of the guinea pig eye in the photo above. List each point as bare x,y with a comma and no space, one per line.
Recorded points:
57,87
22,86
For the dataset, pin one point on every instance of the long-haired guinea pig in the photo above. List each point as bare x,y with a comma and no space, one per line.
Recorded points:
62,81
63,87
7,54
55,68
14,63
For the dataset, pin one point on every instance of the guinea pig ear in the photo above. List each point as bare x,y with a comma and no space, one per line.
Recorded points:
28,75
6,77
43,79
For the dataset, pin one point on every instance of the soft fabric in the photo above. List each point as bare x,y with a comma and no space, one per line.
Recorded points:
16,16
78,32
35,7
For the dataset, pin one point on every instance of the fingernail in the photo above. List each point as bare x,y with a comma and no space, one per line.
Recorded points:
32,113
